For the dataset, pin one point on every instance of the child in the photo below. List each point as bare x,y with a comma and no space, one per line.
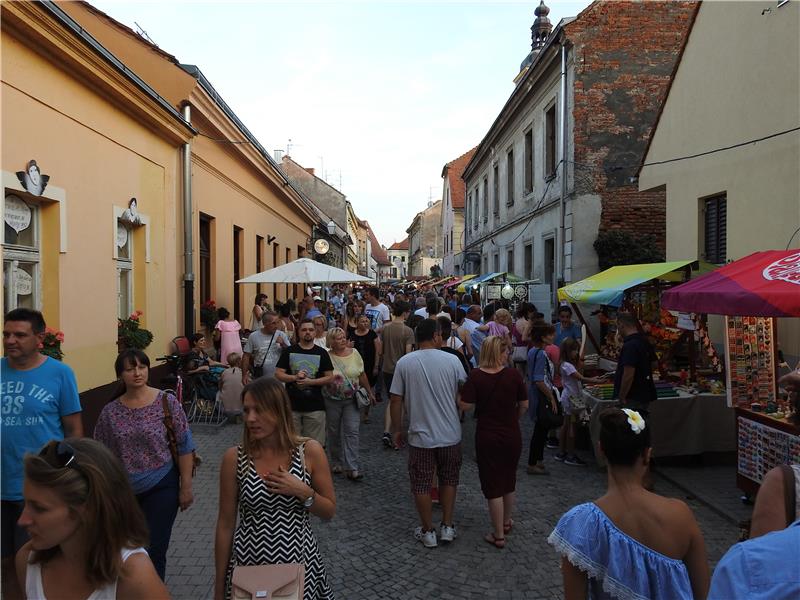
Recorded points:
230,388
571,399
501,326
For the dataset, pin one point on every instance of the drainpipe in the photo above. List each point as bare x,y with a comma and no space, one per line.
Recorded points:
562,203
188,242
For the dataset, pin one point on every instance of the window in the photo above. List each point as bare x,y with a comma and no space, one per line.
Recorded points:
452,245
715,230
529,161
205,258
403,259
485,264
237,271
21,254
475,213
275,255
528,258
485,199
510,260
496,263
448,197
259,259
549,259
124,270
510,178
550,142
495,186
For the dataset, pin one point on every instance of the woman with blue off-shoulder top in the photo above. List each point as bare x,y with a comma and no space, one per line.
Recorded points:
630,543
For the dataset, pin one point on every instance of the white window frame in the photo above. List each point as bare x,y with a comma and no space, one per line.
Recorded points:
14,254
125,265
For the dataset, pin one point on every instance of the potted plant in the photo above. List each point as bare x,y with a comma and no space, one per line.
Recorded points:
130,333
208,314
51,345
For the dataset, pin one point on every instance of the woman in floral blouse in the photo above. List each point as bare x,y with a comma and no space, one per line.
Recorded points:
132,426
341,410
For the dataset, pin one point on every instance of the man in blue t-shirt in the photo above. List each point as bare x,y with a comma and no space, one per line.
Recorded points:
40,403
565,327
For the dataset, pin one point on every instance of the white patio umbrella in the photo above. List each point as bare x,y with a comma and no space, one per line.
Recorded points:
304,270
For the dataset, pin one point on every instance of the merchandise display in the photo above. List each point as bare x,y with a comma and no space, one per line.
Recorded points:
749,362
761,447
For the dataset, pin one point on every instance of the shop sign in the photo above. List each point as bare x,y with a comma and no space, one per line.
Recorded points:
521,292
23,283
17,214
122,235
493,291
32,179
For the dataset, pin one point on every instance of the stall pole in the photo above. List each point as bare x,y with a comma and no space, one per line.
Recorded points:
588,329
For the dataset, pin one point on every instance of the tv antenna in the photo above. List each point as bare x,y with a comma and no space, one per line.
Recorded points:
144,34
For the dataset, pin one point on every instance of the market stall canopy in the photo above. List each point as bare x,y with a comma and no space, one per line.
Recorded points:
764,284
459,281
609,286
304,270
484,278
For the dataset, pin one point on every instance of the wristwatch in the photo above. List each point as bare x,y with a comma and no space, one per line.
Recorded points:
309,502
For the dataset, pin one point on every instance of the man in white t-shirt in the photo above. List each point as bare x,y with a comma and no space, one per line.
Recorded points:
427,382
376,310
263,348
470,324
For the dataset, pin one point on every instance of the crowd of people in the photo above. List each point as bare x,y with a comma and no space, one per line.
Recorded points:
95,515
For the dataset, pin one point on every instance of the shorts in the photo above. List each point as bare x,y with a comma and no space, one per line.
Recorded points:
13,536
423,461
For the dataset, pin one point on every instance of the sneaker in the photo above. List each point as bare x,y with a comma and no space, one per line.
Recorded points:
428,538
447,533
387,439
561,456
575,461
552,443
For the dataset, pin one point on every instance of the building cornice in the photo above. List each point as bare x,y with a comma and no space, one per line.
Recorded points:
46,29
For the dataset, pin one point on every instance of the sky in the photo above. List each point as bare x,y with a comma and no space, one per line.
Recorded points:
376,96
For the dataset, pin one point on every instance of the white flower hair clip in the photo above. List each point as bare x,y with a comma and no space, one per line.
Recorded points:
635,420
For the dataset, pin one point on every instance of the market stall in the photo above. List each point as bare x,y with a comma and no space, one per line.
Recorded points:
691,402
752,293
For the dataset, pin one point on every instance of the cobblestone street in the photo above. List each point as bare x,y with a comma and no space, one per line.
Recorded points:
369,549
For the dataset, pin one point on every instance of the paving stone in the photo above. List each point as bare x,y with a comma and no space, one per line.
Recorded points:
368,546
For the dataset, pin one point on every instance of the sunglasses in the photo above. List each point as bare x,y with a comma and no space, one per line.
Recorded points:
59,455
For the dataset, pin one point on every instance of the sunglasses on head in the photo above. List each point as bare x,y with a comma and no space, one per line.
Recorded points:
59,454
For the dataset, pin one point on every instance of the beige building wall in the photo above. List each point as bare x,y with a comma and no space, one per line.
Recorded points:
738,80
98,156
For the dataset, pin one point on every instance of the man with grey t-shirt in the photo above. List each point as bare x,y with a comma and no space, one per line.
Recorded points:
263,348
427,382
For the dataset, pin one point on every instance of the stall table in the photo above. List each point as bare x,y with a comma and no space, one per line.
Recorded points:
763,443
687,425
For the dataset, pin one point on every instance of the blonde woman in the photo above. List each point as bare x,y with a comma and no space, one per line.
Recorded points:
341,410
320,331
498,394
274,480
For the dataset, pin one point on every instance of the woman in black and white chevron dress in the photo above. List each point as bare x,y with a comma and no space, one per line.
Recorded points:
274,479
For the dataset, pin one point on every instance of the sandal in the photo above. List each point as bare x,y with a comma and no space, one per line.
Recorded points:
355,476
507,526
337,470
497,542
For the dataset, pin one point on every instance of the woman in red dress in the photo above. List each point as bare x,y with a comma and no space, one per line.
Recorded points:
499,395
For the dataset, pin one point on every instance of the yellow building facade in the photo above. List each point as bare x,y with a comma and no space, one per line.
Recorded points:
106,117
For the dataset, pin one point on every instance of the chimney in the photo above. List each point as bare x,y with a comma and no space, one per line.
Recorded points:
278,154
310,170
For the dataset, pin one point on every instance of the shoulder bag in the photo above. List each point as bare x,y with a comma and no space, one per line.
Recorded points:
172,439
549,418
258,371
360,394
286,582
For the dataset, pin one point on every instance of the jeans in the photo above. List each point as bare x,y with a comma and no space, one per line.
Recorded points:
538,440
342,418
160,507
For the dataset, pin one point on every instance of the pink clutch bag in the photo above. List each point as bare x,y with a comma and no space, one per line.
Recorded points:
279,582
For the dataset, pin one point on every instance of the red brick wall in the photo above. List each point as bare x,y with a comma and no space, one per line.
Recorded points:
625,55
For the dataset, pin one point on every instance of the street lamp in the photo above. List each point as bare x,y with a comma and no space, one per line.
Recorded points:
331,227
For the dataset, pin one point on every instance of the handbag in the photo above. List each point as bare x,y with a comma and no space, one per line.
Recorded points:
545,414
286,581
360,394
172,439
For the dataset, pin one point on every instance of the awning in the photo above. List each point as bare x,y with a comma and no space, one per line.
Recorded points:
609,286
477,280
459,281
304,270
764,284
